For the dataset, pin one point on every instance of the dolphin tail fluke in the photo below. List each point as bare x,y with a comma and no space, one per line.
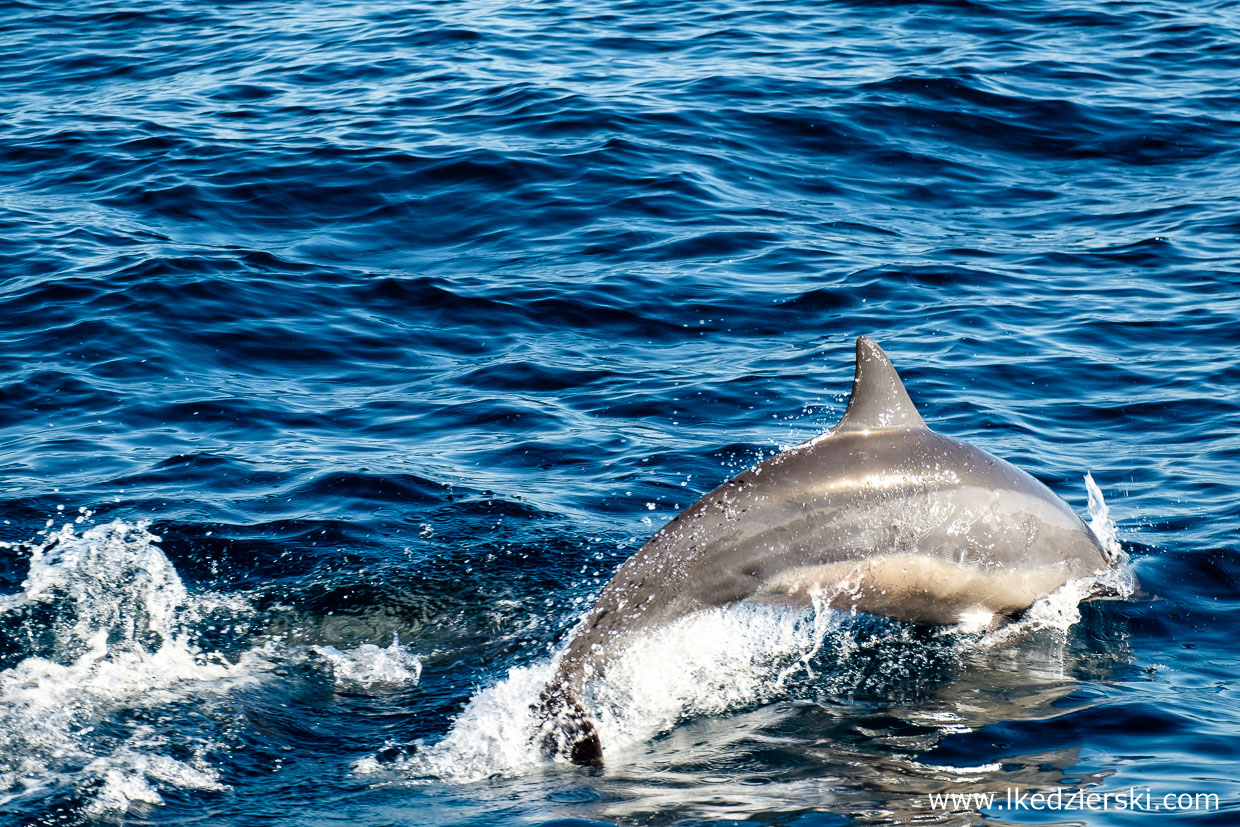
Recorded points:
566,729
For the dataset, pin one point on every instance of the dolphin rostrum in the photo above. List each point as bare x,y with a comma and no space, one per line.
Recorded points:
880,515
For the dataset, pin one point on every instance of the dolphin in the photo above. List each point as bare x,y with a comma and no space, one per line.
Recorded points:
880,515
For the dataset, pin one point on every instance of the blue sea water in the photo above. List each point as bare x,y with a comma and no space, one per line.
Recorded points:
347,348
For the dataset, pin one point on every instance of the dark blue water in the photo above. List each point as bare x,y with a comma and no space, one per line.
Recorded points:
401,325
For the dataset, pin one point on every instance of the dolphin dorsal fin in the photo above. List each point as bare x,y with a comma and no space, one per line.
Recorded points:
879,400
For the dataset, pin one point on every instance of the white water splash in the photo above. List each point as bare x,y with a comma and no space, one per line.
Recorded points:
112,629
1056,612
1119,579
370,666
1101,524
708,663
120,638
492,736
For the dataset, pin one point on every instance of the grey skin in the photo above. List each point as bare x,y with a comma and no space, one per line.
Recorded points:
880,515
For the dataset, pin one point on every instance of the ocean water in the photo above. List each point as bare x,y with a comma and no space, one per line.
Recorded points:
347,348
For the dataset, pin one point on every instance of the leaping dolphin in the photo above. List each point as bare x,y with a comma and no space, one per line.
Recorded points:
879,514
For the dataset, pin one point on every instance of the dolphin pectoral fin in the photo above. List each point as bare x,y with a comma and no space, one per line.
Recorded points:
566,729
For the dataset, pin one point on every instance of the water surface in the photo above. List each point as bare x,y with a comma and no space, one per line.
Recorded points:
367,339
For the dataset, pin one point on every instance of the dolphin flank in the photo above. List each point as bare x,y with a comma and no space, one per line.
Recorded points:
880,514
